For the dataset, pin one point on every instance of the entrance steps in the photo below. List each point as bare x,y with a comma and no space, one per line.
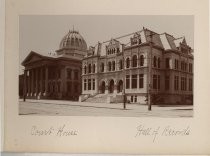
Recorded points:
99,98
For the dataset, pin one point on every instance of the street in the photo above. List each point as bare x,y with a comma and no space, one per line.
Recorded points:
70,108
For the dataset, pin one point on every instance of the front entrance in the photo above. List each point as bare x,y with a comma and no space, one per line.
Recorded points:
103,87
111,86
120,86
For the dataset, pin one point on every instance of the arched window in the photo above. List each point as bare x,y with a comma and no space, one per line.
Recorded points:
72,41
154,61
94,68
109,66
134,61
120,65
113,65
127,63
85,70
142,60
158,62
89,68
102,67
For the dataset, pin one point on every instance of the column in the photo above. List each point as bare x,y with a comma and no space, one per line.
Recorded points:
46,81
106,87
137,80
37,84
24,84
41,81
32,82
29,83
115,87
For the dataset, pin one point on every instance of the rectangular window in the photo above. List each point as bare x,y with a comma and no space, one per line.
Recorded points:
167,83
190,67
76,88
154,81
158,80
135,98
89,84
134,81
85,84
141,80
190,84
127,81
167,63
93,84
76,75
182,83
69,86
69,73
176,82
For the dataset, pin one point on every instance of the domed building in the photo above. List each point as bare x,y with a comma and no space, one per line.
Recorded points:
57,75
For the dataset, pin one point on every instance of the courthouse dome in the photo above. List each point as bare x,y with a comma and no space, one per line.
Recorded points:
73,40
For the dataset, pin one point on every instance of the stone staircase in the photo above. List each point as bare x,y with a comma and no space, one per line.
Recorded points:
99,98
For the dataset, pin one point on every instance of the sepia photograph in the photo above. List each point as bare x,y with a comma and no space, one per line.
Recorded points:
106,65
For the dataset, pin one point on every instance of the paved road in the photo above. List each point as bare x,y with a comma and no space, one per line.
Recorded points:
70,108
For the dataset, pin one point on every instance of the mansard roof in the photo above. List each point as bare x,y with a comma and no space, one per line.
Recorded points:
163,40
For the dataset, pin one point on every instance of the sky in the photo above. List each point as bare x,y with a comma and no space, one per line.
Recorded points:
43,33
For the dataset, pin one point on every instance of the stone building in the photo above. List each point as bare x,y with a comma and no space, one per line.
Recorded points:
139,65
56,76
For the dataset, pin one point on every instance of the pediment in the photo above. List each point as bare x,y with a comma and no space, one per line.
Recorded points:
32,57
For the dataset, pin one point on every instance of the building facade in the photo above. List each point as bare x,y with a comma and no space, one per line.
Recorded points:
143,64
56,76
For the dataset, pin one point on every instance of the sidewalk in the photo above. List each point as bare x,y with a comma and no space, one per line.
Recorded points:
110,105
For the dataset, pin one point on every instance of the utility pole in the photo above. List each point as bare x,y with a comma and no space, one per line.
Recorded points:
124,77
149,71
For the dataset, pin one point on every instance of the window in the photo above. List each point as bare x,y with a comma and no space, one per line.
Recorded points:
85,70
154,61
93,84
167,82
134,81
158,62
59,86
120,65
69,73
131,98
141,60
76,75
190,84
134,61
113,65
102,67
158,80
68,86
167,63
76,88
89,68
176,82
89,84
94,68
127,63
141,80
182,65
154,81
176,64
110,66
127,81
135,98
85,84
190,67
